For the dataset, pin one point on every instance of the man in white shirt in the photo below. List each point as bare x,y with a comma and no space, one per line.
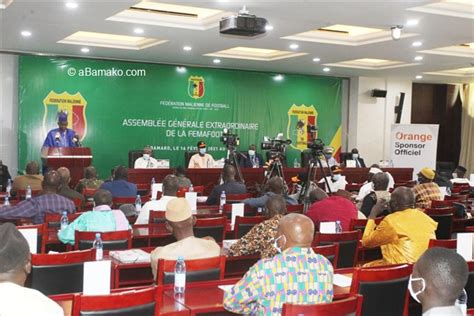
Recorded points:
170,189
438,279
328,152
201,159
369,185
15,265
146,161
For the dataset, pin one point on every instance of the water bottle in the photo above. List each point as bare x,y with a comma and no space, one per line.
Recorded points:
9,187
180,276
191,188
64,220
222,201
7,201
138,204
259,210
295,163
151,188
461,302
338,227
28,192
99,247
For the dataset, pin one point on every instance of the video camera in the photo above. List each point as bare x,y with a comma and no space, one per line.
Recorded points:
315,144
228,139
276,145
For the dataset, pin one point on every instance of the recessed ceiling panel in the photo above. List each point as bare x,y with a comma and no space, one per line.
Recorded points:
254,53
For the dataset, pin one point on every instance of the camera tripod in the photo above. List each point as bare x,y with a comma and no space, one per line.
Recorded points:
314,164
233,160
275,169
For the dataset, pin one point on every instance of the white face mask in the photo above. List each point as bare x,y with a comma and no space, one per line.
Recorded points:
251,152
355,156
336,177
410,288
146,156
202,151
275,244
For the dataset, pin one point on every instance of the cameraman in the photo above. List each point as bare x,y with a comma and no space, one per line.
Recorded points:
201,159
252,159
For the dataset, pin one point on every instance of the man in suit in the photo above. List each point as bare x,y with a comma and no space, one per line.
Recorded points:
356,157
252,159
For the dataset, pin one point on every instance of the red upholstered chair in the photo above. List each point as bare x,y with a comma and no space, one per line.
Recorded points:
156,217
181,191
143,188
58,273
213,227
196,270
441,203
89,192
129,302
359,224
348,246
116,240
244,224
349,306
78,204
444,218
331,252
119,200
385,289
297,208
52,220
444,243
236,198
21,193
248,211
470,285
40,241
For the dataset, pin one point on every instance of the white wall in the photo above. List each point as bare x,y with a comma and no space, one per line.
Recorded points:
9,111
370,118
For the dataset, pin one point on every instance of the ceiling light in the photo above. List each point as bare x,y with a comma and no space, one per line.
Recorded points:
419,77
85,50
278,78
71,5
396,31
25,33
187,48
216,61
417,44
316,59
268,27
181,69
418,58
412,22
294,46
326,69
138,30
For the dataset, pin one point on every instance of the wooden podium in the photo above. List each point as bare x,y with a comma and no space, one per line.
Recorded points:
73,158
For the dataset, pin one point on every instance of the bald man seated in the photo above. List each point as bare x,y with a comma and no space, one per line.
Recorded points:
32,178
403,235
15,265
296,275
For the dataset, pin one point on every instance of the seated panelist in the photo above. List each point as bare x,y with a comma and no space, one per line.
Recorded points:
201,159
146,161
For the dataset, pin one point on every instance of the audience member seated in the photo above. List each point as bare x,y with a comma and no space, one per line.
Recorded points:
36,207
170,188
380,181
230,186
120,187
326,208
297,275
426,190
252,159
201,159
146,161
15,265
90,180
183,181
4,176
275,186
369,185
336,182
459,175
403,235
65,190
259,240
32,178
438,279
101,219
180,222
298,183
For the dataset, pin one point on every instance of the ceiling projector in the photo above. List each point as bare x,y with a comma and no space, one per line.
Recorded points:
243,24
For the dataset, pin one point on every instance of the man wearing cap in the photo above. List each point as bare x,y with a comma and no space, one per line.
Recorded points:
201,159
180,222
426,190
15,265
61,136
146,161
329,160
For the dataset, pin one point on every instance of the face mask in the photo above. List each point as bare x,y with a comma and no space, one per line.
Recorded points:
455,175
275,244
146,156
355,156
202,151
410,288
336,177
251,152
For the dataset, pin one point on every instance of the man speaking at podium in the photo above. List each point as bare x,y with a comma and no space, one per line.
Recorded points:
61,136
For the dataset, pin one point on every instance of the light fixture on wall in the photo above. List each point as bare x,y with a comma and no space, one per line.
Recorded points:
396,31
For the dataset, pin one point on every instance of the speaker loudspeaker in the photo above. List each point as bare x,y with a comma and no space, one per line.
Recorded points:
376,93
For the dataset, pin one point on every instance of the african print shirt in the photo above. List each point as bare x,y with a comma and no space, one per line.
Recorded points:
425,193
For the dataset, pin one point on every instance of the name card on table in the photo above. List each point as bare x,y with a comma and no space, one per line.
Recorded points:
155,188
341,280
191,197
97,277
31,236
464,245
350,163
327,227
237,210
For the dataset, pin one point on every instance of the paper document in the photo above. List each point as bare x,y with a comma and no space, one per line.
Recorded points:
97,277
131,256
191,197
226,288
342,280
464,245
237,210
31,236
327,227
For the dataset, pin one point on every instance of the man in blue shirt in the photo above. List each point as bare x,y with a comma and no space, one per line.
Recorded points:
120,187
61,136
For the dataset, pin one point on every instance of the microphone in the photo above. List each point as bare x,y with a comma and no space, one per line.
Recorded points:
75,140
57,137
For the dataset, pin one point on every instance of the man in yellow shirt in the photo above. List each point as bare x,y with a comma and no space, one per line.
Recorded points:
404,235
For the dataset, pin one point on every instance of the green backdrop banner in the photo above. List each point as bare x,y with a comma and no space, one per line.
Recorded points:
120,106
